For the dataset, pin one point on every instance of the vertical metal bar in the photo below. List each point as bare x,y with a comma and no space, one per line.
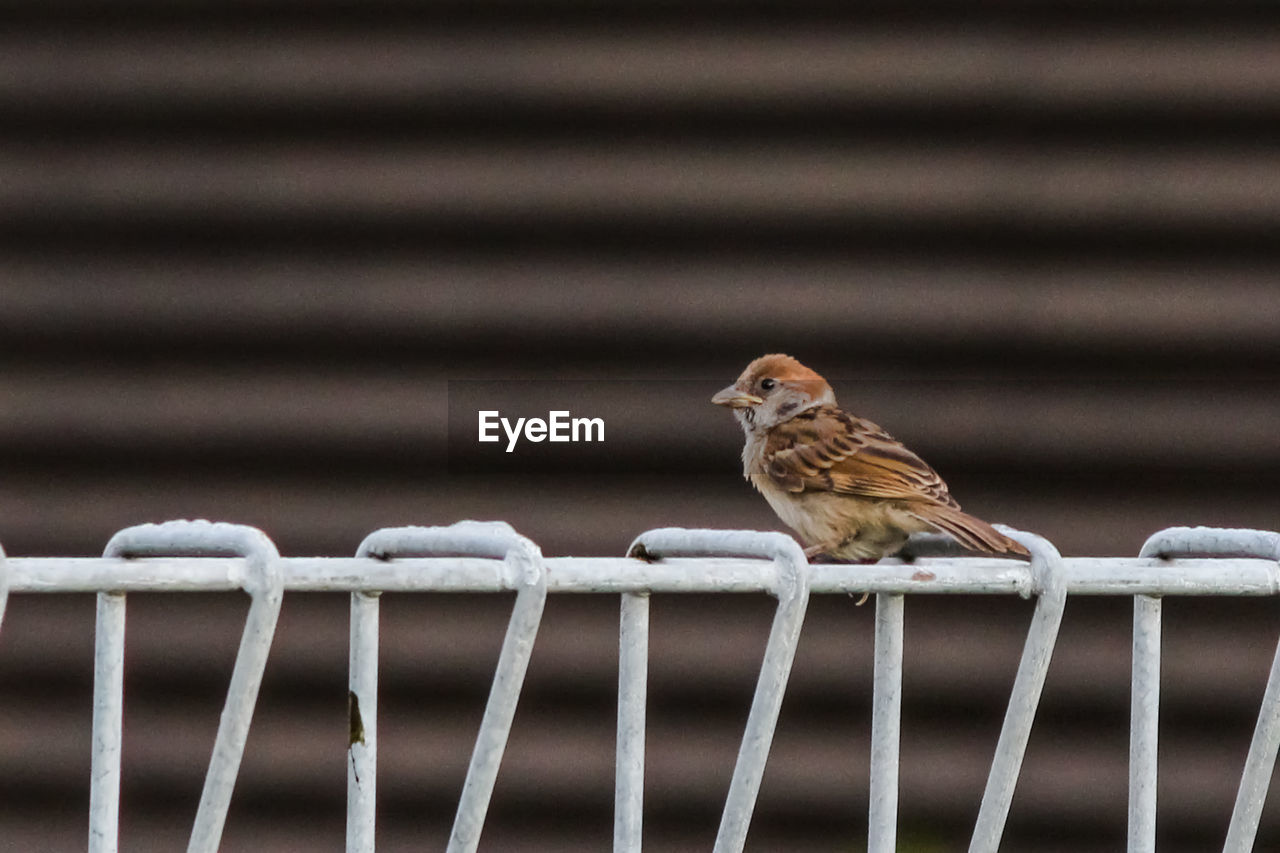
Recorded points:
108,723
1258,767
527,574
500,710
262,581
765,706
633,674
495,727
791,588
886,720
1144,721
233,729
4,585
1025,696
362,710
1261,761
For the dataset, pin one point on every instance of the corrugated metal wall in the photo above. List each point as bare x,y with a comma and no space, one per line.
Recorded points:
245,247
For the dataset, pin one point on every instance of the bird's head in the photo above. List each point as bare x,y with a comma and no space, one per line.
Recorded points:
773,389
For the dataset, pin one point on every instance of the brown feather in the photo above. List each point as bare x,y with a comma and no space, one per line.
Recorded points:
861,458
973,533
828,450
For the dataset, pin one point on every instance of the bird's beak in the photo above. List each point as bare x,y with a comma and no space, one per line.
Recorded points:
735,399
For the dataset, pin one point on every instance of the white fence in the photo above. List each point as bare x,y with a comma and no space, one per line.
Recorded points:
491,557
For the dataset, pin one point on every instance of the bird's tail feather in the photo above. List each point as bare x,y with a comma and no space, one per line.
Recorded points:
973,533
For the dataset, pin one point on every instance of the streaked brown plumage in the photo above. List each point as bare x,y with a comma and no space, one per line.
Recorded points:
849,489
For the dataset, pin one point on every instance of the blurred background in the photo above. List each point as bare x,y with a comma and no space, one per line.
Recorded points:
258,256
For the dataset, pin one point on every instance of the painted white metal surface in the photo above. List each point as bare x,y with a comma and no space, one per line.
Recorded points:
523,568
1226,576
4,585
261,581
1046,566
362,710
491,557
108,723
1144,723
633,679
886,724
1260,763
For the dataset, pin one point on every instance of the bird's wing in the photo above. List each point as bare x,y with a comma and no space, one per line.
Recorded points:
826,449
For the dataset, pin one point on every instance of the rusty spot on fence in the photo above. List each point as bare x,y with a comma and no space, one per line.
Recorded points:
353,715
640,552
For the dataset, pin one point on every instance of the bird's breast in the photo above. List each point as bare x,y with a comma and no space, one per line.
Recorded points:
753,455
852,527
816,516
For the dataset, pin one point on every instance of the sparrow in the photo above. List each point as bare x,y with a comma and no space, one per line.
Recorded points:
847,487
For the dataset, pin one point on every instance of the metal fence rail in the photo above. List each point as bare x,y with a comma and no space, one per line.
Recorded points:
491,557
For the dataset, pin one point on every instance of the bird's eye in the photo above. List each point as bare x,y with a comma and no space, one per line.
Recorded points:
767,384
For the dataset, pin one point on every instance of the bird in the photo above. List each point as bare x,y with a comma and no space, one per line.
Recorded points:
850,490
